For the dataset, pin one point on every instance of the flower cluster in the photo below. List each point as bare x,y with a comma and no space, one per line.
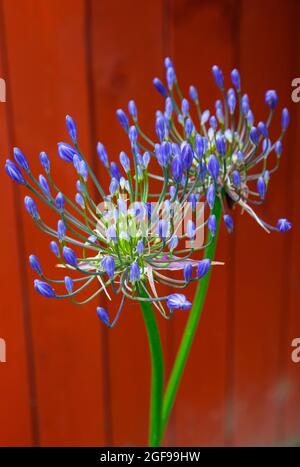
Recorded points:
132,239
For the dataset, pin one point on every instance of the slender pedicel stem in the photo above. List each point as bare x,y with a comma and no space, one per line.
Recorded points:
145,137
190,330
94,178
157,369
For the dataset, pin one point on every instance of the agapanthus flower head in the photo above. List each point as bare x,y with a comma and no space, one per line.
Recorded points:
131,240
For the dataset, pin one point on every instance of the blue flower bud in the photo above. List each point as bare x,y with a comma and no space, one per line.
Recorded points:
70,256
20,158
231,101
44,186
60,201
254,136
188,127
263,129
125,162
115,172
80,200
69,284
283,225
177,169
108,263
114,186
103,315
133,135
203,268
35,264
31,207
228,222
250,118
71,127
236,80
213,122
204,117
220,116
160,128
170,75
212,224
102,154
199,146
146,159
168,62
14,172
80,186
173,243
76,162
135,272
83,170
188,272
245,104
185,107
54,248
162,229
193,201
111,233
221,145
160,87
261,187
236,178
178,301
61,230
187,156
123,119
45,162
213,167
218,76
190,229
211,195
193,93
285,119
132,109
278,148
44,289
140,247
271,98
66,152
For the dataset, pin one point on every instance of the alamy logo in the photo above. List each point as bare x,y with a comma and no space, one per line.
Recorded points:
2,351
296,92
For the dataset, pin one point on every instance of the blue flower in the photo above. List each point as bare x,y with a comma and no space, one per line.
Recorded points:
14,172
283,225
44,289
203,268
178,301
123,119
103,315
66,152
35,264
21,159
71,127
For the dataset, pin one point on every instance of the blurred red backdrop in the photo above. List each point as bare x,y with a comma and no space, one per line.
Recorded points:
69,381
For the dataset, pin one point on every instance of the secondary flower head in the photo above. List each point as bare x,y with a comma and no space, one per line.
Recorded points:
231,156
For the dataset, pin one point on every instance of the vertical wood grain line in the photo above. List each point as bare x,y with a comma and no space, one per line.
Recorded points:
104,346
231,302
291,214
23,261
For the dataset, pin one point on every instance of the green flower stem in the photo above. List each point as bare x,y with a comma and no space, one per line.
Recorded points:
190,329
157,365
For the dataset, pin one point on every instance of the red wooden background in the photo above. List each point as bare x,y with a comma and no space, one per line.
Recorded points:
67,380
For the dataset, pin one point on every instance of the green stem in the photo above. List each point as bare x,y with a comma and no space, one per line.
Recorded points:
190,329
157,365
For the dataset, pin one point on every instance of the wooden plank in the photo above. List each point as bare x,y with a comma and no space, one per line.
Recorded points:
48,80
15,389
265,62
126,56
201,33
